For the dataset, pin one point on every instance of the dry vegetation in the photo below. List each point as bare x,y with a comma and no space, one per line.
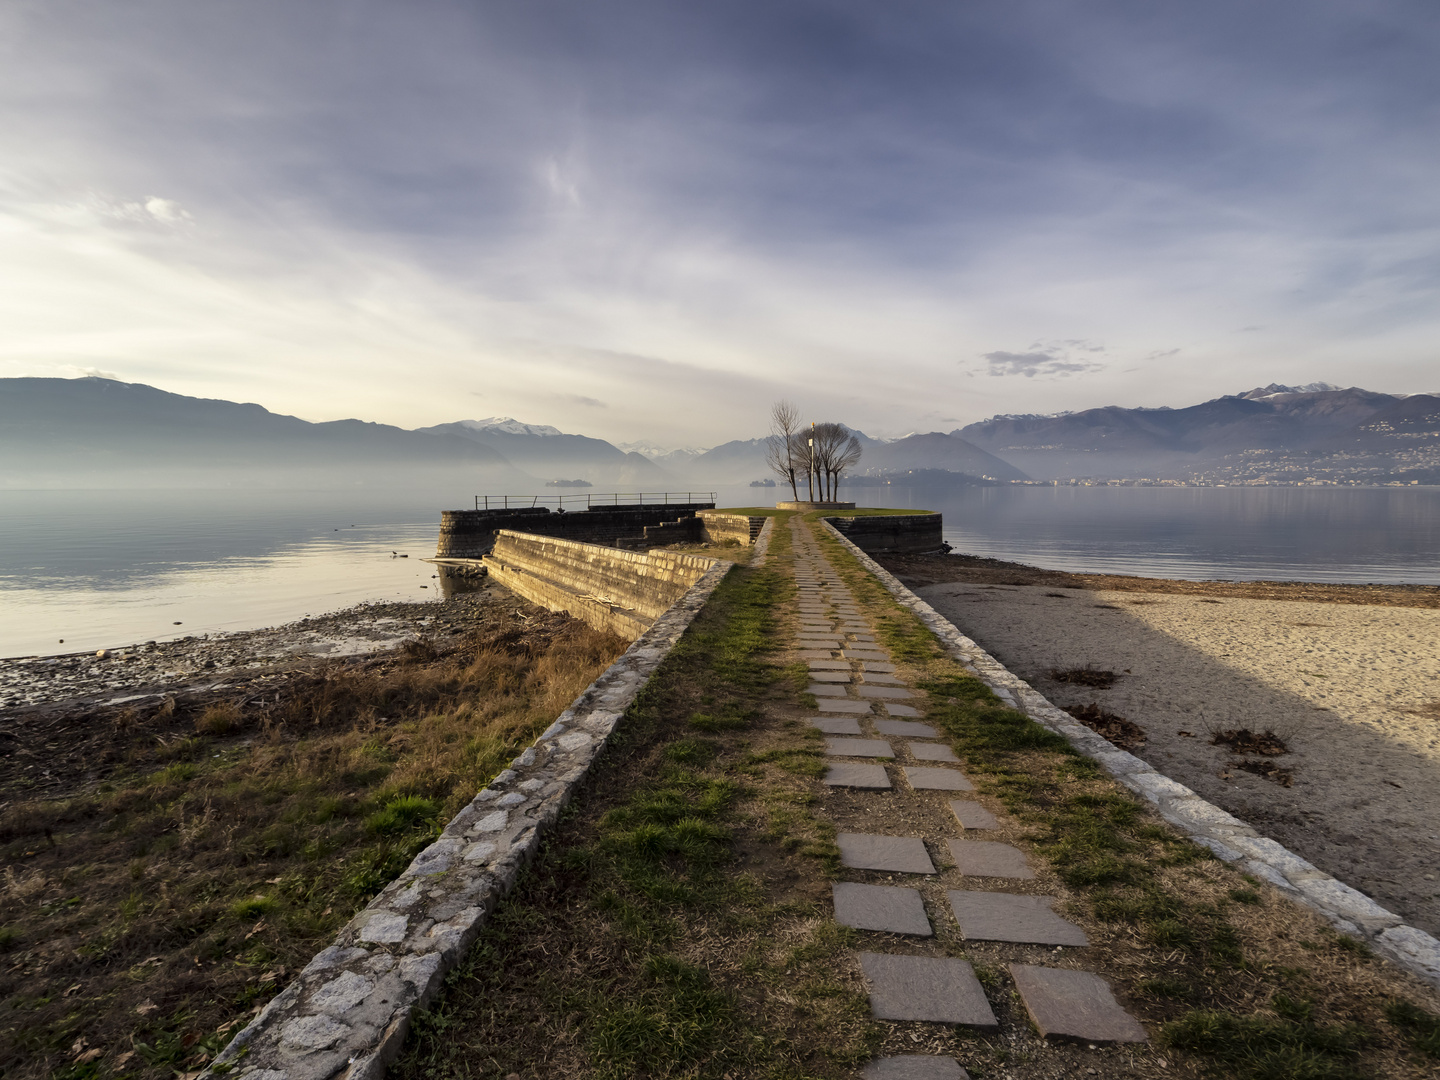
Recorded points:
147,915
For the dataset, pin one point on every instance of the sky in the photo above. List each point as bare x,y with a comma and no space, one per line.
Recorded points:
646,221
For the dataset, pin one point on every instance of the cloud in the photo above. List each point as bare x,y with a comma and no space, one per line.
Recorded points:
687,211
1055,361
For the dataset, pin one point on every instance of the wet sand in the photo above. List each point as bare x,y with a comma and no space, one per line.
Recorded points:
1353,689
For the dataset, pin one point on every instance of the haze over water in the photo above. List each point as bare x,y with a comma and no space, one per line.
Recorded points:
105,569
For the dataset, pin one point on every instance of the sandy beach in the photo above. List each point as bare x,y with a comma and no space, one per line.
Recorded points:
1351,688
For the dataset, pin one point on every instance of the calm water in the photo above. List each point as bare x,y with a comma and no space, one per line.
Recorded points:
101,569
1241,534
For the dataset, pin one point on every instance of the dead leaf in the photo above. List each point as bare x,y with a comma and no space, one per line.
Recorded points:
255,929
89,1055
146,1007
71,990
78,1045
274,880
121,1061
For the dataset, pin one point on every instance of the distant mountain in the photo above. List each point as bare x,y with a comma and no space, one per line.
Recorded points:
550,453
93,431
936,450
678,458
1276,433
509,424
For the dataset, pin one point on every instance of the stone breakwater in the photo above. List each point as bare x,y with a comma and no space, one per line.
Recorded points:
348,1012
1227,836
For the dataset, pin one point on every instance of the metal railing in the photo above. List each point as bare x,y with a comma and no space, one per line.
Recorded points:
613,498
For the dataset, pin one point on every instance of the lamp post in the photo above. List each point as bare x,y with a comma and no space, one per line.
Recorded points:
810,480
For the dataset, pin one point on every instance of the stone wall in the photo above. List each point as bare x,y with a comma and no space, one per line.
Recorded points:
718,526
905,534
470,534
611,589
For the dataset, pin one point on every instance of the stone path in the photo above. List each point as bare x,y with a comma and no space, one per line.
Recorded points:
878,743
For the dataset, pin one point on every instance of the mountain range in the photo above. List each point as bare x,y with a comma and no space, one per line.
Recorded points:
1270,434
80,432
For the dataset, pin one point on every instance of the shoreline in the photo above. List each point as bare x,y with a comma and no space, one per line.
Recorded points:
154,668
925,570
1348,678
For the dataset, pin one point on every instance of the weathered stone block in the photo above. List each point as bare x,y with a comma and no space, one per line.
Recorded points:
937,989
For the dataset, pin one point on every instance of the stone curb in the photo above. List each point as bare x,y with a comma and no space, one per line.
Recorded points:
349,1010
1350,910
762,542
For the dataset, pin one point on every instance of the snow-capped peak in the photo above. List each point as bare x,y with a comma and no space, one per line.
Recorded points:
1276,388
510,425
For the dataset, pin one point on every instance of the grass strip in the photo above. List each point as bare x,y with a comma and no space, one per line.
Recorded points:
677,923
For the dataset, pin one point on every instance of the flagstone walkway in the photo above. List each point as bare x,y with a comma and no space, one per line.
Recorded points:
893,766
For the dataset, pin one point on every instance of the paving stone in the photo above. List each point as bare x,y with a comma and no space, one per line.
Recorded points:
934,778
900,854
857,775
891,693
1074,1005
863,638
914,1067
971,815
932,988
829,665
930,751
865,654
840,725
818,641
825,690
875,678
816,654
830,676
858,748
895,709
989,858
994,916
844,705
874,665
907,728
890,908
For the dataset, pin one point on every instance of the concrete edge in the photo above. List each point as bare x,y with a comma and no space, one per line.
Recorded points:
349,1010
1233,840
762,542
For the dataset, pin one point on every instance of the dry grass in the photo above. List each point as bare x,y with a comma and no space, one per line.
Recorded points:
145,918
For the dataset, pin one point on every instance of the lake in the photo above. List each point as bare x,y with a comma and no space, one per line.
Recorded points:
104,569
1354,535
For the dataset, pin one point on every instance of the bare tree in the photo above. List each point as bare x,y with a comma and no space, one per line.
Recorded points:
846,456
783,452
836,450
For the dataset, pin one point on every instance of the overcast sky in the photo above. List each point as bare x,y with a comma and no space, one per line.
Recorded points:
648,220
